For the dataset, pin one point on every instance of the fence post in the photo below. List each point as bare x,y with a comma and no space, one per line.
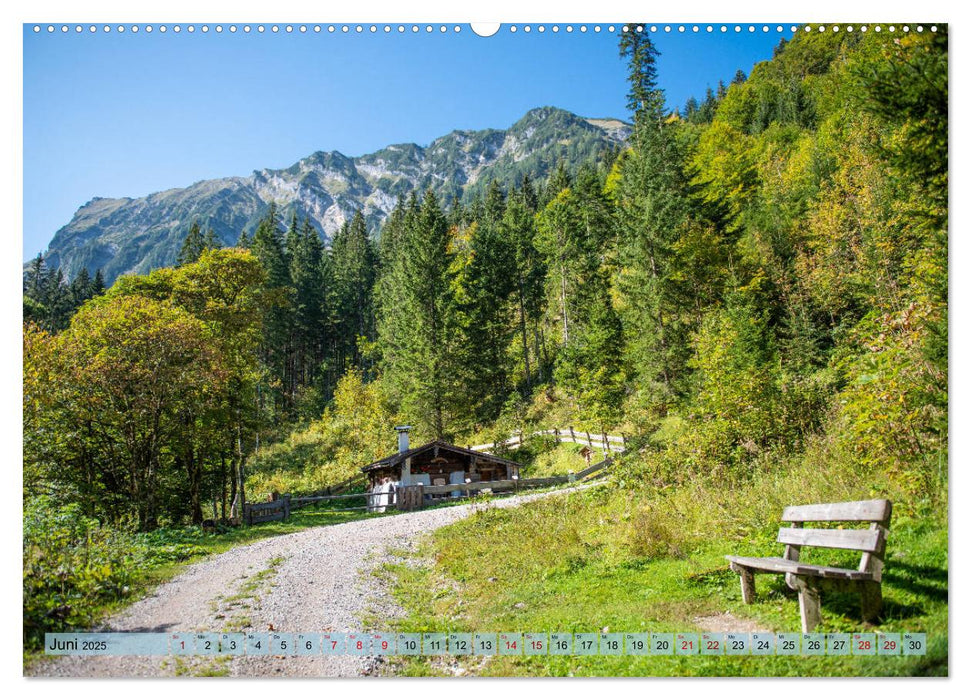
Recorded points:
572,436
286,506
589,441
247,514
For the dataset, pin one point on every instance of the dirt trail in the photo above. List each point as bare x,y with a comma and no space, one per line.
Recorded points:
316,580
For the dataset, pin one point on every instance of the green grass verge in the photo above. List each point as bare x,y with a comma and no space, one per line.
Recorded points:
607,560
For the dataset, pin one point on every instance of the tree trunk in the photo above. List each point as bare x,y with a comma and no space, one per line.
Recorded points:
222,482
239,478
522,330
540,342
563,311
193,466
233,504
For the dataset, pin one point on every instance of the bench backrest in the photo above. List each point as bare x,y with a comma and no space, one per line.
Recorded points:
871,542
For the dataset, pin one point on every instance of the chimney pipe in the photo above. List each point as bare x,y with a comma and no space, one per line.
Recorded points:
405,478
402,437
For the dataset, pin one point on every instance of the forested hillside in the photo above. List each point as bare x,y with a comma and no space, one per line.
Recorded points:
758,279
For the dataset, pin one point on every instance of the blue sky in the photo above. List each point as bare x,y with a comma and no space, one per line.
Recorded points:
115,115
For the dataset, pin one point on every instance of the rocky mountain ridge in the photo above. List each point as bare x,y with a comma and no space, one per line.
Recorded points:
140,234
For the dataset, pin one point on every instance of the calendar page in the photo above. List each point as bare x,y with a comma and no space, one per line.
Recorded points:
515,349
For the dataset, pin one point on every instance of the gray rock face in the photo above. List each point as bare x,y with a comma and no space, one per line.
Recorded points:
139,235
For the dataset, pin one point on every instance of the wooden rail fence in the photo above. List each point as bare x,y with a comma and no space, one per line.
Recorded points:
602,441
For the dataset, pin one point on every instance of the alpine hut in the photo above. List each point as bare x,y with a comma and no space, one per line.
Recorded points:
437,463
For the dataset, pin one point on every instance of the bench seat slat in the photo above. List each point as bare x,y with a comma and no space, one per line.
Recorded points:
858,540
778,565
875,511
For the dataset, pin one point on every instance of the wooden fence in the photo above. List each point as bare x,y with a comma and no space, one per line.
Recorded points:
601,441
264,512
411,497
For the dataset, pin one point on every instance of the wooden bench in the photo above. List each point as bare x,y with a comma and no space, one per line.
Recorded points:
809,579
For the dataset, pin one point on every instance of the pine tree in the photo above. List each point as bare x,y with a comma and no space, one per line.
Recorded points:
277,347
528,273
310,330
35,293
192,246
354,271
643,99
495,204
98,283
576,235
57,300
558,181
706,113
36,278
653,208
527,191
292,238
418,322
268,246
80,289
392,231
690,109
211,241
457,213
480,276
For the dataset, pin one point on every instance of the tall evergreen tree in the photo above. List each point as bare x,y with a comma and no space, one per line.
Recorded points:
706,112
482,283
268,246
192,246
80,288
558,181
57,300
392,231
653,208
210,241
354,271
527,191
528,273
98,283
418,322
643,98
310,330
690,109
575,232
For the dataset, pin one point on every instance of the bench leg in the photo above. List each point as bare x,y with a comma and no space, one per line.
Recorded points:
871,600
748,586
809,607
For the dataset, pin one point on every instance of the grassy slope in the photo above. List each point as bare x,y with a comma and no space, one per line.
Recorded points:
604,559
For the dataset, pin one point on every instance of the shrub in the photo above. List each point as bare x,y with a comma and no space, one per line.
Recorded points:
72,566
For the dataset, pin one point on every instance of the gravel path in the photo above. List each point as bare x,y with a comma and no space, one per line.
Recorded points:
316,580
